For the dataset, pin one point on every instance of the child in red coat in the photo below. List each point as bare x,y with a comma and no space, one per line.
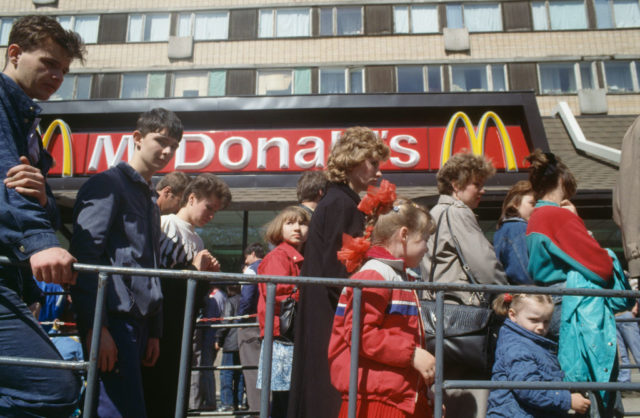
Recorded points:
394,368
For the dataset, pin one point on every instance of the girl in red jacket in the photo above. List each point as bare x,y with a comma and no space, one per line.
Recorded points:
394,369
288,232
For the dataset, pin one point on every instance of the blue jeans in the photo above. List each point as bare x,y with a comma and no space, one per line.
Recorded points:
628,339
31,391
231,381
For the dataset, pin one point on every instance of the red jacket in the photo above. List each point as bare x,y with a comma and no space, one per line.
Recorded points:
391,330
284,260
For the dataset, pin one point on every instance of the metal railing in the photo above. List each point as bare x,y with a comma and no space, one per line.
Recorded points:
192,277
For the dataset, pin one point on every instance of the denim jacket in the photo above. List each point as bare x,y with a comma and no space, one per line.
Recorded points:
510,244
116,222
25,227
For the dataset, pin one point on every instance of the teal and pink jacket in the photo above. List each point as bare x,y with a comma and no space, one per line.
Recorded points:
561,250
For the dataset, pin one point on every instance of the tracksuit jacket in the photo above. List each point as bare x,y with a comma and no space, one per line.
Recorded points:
391,330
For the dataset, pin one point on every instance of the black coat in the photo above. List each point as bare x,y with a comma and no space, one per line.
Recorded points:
312,394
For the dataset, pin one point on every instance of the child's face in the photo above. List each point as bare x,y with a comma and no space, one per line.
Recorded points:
294,232
416,249
156,149
202,211
527,204
533,316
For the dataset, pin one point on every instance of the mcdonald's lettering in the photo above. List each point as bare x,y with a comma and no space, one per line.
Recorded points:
421,148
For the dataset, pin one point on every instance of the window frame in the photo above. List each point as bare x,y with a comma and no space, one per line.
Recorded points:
464,24
274,22
410,18
2,21
633,72
612,16
334,20
263,71
424,71
347,72
547,12
577,74
73,25
192,24
488,73
74,91
144,27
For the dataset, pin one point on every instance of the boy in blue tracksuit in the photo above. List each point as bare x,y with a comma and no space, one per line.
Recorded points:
117,223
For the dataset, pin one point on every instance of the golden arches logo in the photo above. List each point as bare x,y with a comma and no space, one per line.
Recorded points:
67,143
477,137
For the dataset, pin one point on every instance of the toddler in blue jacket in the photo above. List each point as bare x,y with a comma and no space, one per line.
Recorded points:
524,354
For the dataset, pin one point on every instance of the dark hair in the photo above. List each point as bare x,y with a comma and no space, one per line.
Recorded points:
32,31
513,199
545,171
159,119
463,169
256,248
205,185
177,180
309,186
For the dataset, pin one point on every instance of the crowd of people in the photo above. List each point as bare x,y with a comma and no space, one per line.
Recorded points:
121,219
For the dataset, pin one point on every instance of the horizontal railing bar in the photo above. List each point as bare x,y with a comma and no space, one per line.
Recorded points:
224,368
236,277
237,325
493,384
49,364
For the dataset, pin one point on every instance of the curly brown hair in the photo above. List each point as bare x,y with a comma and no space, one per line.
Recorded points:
356,145
462,169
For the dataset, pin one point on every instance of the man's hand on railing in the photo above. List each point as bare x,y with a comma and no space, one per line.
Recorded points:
204,261
108,353
152,352
53,265
425,364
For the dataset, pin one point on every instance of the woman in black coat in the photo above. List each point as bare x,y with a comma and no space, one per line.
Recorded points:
353,165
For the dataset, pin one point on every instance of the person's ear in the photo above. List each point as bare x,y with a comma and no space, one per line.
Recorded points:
166,190
13,53
404,233
137,138
512,315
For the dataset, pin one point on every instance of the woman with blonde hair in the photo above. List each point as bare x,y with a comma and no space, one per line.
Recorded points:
353,165
459,237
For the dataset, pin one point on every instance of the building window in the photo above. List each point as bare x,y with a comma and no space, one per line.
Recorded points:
152,27
563,78
204,25
284,23
559,15
282,82
74,87
617,13
141,85
340,21
341,80
419,78
5,29
480,17
191,84
85,26
621,76
415,19
478,77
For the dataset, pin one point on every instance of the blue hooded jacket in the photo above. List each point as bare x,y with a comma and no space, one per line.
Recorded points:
522,355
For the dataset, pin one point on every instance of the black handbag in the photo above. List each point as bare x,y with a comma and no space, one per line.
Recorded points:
470,332
287,317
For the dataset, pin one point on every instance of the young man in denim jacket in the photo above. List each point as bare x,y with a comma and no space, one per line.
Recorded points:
38,56
117,223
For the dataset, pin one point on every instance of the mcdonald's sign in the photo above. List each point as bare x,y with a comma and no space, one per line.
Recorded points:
413,148
477,137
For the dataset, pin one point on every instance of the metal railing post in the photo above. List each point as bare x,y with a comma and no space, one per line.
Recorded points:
91,396
185,351
355,351
439,390
267,350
